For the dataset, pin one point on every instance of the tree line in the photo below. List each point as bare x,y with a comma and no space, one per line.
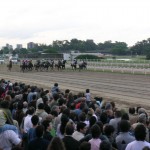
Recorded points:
108,47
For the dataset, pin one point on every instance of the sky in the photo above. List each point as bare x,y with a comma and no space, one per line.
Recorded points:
44,21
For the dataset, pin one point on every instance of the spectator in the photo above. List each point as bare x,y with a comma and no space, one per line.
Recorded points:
38,143
105,145
47,128
56,144
40,112
139,142
95,141
69,141
85,146
81,130
124,137
31,132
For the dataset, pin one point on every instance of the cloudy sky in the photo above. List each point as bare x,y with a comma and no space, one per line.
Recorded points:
43,21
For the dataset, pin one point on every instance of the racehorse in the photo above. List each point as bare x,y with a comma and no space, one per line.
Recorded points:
83,65
9,65
60,64
63,64
51,64
74,65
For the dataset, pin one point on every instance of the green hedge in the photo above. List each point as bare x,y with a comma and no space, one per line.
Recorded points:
87,57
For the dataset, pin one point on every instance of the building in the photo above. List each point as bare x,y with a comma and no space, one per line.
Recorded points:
19,46
31,45
9,46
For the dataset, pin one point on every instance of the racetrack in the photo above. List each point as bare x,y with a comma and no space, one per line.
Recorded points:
126,89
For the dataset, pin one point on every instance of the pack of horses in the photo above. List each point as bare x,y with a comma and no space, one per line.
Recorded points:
51,64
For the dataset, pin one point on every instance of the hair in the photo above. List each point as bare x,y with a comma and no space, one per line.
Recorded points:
104,117
80,125
41,106
87,90
125,116
56,144
39,131
35,120
108,129
5,104
118,114
46,124
31,110
69,129
55,84
64,120
105,145
82,116
132,110
146,148
85,146
96,131
67,91
140,132
20,106
124,126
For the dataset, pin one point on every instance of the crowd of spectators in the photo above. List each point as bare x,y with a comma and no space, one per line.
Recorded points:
32,118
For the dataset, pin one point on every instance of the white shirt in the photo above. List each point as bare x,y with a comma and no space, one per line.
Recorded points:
88,96
7,139
77,135
137,145
27,123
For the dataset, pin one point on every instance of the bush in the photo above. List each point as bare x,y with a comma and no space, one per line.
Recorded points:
148,56
87,57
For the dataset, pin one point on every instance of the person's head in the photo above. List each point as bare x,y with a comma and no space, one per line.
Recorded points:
56,84
104,117
140,132
105,145
20,106
118,114
125,116
67,91
132,110
31,110
4,104
81,127
87,90
96,131
39,131
108,130
146,148
124,126
47,125
82,117
41,106
56,144
69,129
142,118
35,120
85,146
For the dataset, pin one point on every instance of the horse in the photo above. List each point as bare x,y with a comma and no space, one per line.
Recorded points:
9,65
23,67
37,65
74,65
83,65
63,64
58,65
51,64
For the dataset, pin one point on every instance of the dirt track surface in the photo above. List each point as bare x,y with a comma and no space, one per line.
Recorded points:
124,89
